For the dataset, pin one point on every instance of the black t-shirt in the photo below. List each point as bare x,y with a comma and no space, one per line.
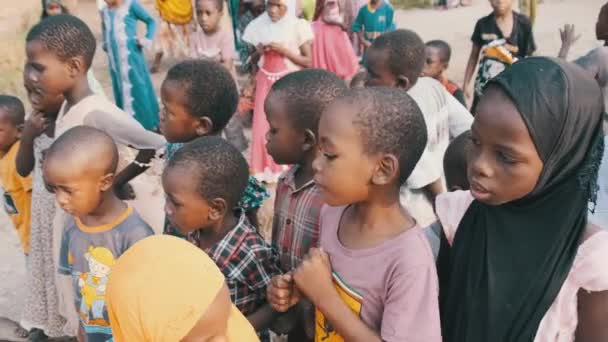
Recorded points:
520,43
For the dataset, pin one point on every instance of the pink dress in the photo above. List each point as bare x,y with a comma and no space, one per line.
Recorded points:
332,50
588,271
292,33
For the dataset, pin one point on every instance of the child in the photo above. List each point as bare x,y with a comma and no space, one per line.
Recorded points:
500,38
79,168
283,43
455,163
204,182
16,190
40,315
60,51
199,99
191,303
174,31
55,7
331,48
293,108
131,82
248,10
527,213
381,284
214,41
373,19
396,59
438,54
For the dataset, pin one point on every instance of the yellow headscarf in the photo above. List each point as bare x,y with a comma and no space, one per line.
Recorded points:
178,12
161,287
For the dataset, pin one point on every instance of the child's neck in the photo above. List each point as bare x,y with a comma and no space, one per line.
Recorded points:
375,4
5,152
78,92
212,235
369,224
305,173
110,208
507,15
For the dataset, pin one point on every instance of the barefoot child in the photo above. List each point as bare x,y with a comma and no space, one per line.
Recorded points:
40,314
79,168
131,82
500,38
523,259
204,182
187,285
283,45
16,190
293,108
438,54
331,48
396,59
199,99
381,282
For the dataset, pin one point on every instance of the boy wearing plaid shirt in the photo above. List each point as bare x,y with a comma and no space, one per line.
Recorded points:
293,108
203,183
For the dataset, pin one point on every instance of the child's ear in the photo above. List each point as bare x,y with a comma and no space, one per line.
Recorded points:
403,82
205,126
76,66
106,182
387,170
310,140
217,209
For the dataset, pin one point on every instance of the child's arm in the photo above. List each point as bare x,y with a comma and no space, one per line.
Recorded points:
142,15
262,318
34,126
313,278
592,313
358,29
303,58
471,65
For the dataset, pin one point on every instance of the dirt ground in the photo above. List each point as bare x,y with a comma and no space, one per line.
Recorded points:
454,26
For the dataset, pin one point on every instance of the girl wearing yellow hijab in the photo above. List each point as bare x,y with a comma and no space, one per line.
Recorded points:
164,289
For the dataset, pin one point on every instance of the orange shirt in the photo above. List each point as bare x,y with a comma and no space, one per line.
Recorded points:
17,195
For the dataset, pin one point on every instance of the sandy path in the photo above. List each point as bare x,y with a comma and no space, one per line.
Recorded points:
454,26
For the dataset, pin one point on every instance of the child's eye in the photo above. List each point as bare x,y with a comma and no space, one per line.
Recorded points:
329,156
474,140
503,157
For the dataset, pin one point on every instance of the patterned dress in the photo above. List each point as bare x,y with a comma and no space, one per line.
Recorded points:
41,305
131,82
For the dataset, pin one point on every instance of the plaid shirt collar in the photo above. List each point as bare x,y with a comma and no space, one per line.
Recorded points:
289,179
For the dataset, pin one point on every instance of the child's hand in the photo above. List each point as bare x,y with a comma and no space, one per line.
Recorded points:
366,43
35,125
467,92
281,293
568,35
313,276
278,48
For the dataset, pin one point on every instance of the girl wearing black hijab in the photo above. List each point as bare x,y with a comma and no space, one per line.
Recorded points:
519,262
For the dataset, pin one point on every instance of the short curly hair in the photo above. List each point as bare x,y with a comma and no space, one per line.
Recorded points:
405,50
218,169
14,108
210,90
445,51
66,36
306,93
389,121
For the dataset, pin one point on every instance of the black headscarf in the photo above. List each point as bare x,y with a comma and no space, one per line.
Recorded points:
508,262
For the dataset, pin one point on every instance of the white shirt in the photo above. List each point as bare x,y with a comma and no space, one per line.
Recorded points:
445,119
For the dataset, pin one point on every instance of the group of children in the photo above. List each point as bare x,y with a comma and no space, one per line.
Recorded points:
366,245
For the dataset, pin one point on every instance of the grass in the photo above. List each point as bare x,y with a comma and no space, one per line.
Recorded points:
404,4
13,58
